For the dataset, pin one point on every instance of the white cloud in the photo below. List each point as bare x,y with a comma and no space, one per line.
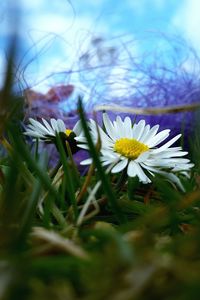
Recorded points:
121,80
73,36
40,26
56,34
140,6
36,4
187,20
63,40
58,6
34,15
94,3
50,23
192,66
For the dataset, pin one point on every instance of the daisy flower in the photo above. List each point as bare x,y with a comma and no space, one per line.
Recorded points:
135,147
47,131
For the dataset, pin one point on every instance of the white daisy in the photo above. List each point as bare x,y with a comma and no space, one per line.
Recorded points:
47,131
135,147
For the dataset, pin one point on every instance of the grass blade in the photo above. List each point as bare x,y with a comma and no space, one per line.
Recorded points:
103,177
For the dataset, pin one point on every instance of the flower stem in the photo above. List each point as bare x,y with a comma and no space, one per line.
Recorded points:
122,180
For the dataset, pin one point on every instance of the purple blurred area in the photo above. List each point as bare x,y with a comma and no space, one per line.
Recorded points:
59,102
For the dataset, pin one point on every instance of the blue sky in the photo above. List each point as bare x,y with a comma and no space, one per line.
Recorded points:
54,35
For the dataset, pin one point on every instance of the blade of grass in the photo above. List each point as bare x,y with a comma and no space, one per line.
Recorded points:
74,167
29,212
36,149
67,175
36,169
103,177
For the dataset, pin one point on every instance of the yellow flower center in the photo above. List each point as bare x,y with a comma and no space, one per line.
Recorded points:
68,131
130,148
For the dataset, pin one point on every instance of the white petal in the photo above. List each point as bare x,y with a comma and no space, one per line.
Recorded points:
174,149
87,161
142,157
109,126
169,162
172,177
134,169
106,162
109,160
142,176
151,134
33,134
33,128
120,166
80,139
33,122
38,126
168,144
54,125
167,154
178,160
145,133
131,171
186,174
119,127
77,128
128,128
83,146
109,153
158,138
183,167
150,168
46,124
105,139
138,129
61,125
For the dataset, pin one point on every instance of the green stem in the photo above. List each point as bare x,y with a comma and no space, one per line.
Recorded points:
122,180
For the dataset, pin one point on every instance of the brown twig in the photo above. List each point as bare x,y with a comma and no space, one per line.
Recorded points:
149,110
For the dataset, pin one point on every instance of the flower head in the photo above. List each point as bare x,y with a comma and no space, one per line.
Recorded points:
136,148
47,131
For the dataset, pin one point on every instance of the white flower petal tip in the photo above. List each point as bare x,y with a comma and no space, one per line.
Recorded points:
86,162
77,128
135,147
120,166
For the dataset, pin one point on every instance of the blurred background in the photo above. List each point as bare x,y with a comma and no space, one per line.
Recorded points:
54,37
107,51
